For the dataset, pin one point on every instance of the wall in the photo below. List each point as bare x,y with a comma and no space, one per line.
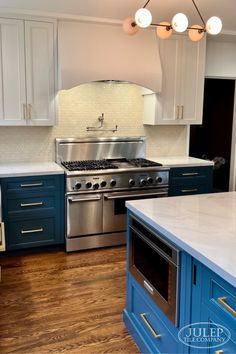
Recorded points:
80,107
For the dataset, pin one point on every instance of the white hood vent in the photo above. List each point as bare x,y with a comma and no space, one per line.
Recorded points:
94,52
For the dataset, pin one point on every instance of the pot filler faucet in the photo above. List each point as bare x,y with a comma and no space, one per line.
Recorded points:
100,128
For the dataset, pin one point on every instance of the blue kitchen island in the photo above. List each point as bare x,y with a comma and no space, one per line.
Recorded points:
181,274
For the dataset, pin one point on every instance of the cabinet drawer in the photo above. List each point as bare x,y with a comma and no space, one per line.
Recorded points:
18,185
23,233
220,297
150,323
26,204
190,172
188,189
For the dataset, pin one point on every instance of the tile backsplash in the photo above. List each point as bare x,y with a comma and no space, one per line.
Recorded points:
80,107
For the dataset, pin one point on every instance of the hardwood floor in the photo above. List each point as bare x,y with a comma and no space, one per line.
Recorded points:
53,302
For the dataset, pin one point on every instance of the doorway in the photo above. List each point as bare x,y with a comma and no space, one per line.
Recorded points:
212,140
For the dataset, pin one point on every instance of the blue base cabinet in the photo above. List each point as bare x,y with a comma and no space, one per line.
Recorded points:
33,211
205,301
190,180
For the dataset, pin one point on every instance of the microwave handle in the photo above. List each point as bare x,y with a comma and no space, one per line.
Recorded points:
128,196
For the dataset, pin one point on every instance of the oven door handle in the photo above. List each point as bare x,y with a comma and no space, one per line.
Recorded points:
85,199
127,196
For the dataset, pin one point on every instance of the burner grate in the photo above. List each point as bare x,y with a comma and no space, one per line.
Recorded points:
88,165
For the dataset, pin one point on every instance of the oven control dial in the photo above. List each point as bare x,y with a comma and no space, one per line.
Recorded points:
88,185
103,184
78,185
159,179
143,182
131,182
96,186
150,180
112,182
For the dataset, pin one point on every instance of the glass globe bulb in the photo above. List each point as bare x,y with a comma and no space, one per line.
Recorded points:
164,31
214,25
143,18
129,26
196,35
179,22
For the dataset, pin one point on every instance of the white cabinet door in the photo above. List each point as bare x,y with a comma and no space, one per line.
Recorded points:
27,72
12,72
40,70
181,98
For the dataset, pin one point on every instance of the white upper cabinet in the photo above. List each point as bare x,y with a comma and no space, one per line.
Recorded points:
181,98
27,72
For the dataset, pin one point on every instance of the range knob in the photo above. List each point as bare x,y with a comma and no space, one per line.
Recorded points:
103,184
78,185
96,186
112,183
159,179
88,185
143,182
131,182
150,180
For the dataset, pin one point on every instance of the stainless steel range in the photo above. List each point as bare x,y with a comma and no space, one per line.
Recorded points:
101,174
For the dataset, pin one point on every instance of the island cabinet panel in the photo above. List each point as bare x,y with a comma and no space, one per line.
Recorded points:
150,327
190,180
214,302
33,211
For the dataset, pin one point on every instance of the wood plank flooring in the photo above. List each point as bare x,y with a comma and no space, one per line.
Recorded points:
53,302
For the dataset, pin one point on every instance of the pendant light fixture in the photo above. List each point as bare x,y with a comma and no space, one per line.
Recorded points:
179,23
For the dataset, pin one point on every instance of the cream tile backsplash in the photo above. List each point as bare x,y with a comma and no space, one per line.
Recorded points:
80,107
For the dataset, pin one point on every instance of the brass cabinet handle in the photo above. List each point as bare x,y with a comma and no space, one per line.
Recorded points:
155,335
23,232
182,112
219,351
189,190
25,185
177,115
222,301
189,174
24,111
29,111
31,204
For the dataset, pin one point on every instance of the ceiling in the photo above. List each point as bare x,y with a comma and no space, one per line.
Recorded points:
162,10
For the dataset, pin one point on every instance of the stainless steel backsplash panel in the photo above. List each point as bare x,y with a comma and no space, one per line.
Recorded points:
73,149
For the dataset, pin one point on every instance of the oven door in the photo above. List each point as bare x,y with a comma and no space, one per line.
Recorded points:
84,215
114,210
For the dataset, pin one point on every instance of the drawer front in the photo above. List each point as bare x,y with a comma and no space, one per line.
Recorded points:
188,189
31,233
151,324
220,297
191,172
20,185
30,203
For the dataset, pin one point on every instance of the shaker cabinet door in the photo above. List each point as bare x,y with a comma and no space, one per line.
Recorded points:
12,72
40,79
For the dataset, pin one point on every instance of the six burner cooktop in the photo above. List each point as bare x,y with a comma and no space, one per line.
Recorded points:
86,165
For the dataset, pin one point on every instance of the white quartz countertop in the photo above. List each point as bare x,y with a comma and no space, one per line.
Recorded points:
180,161
29,169
202,225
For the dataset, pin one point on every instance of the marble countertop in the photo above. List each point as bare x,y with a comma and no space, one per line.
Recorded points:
29,169
202,225
180,161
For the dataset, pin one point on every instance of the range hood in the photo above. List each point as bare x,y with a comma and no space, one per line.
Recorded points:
102,52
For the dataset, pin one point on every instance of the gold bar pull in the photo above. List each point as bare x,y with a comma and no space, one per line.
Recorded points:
222,301
30,204
189,174
29,111
219,351
189,190
155,335
23,232
182,112
177,115
25,185
24,111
